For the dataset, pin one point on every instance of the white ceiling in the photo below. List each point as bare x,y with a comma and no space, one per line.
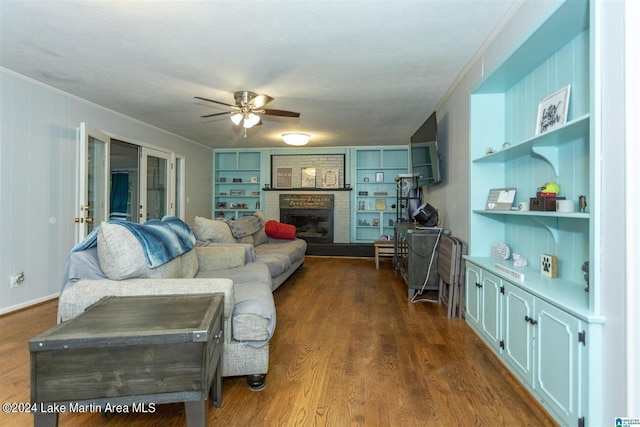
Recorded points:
360,72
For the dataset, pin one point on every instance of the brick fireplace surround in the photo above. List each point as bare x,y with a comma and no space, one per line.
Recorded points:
341,214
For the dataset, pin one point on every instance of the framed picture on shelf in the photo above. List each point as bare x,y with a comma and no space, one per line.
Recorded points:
330,177
375,222
379,176
254,179
236,192
553,110
308,179
381,204
284,178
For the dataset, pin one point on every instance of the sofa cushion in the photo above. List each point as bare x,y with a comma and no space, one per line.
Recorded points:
277,262
252,272
279,230
209,231
294,250
260,237
254,314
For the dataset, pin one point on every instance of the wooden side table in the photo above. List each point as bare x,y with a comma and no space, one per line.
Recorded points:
383,248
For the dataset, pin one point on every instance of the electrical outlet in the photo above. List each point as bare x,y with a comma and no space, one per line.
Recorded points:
548,266
17,279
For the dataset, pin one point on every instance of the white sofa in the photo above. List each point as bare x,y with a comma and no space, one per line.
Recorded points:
116,267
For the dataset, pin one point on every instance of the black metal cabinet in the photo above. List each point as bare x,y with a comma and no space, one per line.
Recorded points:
416,256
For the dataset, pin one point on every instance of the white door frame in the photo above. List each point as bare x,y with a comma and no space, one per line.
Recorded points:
90,216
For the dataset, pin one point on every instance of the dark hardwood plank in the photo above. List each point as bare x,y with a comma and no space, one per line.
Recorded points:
349,349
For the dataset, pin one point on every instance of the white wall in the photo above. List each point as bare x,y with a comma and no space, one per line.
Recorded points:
453,196
37,180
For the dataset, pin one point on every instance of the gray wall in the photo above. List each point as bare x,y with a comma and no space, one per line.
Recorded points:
38,177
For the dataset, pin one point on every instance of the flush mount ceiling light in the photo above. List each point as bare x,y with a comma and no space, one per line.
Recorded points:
293,138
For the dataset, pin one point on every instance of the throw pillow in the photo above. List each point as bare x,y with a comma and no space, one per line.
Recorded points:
244,226
120,252
122,257
209,231
279,230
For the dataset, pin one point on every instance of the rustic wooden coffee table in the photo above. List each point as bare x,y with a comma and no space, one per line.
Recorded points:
131,353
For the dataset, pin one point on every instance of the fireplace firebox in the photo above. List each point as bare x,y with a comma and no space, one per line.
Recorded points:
312,215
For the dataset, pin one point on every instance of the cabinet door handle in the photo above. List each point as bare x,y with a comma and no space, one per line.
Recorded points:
533,322
527,319
478,285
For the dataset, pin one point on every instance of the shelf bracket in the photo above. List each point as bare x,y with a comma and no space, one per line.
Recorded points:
550,155
550,223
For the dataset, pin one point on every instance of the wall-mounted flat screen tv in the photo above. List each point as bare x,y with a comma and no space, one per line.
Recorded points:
425,155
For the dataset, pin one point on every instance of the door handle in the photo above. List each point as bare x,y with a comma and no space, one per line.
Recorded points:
89,220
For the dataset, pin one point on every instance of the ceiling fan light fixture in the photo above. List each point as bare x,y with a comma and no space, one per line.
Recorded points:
237,118
251,120
294,138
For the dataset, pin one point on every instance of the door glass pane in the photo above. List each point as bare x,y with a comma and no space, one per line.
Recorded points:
157,184
96,183
125,177
178,190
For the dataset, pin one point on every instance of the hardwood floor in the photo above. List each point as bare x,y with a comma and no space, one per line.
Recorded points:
349,349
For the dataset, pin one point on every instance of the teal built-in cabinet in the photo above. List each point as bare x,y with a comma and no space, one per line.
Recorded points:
374,198
545,330
237,183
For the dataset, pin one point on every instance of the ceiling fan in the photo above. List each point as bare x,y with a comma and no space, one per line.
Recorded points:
248,108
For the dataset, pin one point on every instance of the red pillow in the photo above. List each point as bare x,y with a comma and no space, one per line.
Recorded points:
279,230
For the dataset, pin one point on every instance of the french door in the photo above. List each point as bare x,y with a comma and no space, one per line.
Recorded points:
156,184
92,198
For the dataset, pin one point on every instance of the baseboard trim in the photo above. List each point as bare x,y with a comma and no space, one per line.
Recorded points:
25,305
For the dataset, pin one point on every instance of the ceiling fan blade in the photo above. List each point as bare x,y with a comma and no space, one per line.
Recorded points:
283,113
217,114
260,101
217,102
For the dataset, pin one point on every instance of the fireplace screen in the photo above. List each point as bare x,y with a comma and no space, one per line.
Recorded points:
312,225
312,216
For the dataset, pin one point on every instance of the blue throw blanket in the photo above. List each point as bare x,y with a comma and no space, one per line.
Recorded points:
161,240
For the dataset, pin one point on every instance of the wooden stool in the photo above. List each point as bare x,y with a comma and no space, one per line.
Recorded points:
384,248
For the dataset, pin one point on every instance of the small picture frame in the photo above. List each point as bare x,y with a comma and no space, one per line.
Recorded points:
375,222
366,179
236,192
330,178
308,178
553,110
223,179
548,266
379,176
254,179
